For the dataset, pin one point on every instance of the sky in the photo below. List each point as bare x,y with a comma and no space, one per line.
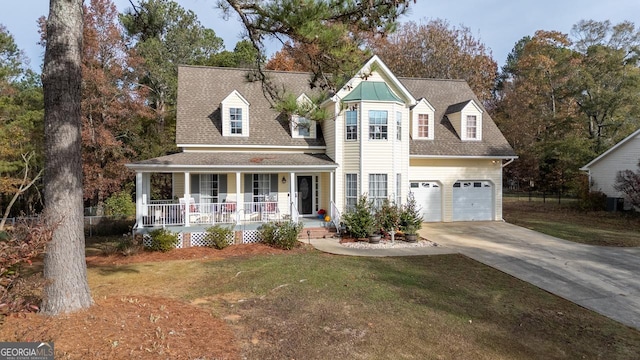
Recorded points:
499,24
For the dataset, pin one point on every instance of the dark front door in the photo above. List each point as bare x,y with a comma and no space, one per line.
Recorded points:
305,195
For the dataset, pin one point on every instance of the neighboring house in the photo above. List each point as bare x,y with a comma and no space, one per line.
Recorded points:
603,170
387,137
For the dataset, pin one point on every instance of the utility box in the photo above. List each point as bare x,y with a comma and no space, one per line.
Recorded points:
615,204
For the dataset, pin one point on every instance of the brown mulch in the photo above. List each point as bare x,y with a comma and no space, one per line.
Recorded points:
129,328
139,327
191,253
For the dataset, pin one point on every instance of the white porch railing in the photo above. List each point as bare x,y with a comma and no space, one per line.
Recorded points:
335,216
169,214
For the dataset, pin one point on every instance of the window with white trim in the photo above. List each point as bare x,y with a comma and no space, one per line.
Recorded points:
378,124
351,191
472,127
423,125
398,125
304,127
235,117
377,189
261,187
351,123
209,188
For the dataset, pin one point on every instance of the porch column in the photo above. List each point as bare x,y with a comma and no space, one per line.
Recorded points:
140,207
293,198
239,200
332,177
187,195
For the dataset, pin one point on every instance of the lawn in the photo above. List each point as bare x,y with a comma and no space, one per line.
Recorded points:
311,305
566,222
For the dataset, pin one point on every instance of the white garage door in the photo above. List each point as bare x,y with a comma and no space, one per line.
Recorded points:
428,195
472,201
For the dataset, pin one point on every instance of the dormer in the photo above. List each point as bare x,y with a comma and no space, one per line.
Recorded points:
301,127
466,119
422,121
235,115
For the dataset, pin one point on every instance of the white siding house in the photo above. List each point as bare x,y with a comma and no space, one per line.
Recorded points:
387,137
602,171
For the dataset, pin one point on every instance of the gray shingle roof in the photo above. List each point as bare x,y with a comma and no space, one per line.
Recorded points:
227,161
201,90
446,96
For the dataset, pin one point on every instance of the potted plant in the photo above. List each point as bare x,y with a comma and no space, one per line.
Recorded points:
388,217
410,220
359,220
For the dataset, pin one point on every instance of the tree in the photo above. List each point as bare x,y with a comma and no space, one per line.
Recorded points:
65,268
111,102
437,50
628,183
333,27
606,83
244,55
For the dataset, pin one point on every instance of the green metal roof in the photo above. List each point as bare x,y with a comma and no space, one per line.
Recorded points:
372,91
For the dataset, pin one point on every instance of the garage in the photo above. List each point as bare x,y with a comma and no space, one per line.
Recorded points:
472,200
428,196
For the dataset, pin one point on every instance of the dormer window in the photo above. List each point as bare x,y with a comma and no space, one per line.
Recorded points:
423,115
235,115
472,127
303,127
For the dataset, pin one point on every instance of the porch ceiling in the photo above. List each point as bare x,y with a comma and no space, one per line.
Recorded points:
236,161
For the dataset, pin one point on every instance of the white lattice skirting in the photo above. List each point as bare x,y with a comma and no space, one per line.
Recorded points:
251,236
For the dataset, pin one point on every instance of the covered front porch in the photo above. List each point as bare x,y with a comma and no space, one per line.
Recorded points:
263,188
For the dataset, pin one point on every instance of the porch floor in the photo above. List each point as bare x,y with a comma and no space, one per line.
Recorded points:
307,222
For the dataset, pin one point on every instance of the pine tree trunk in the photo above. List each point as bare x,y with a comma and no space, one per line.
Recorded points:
65,268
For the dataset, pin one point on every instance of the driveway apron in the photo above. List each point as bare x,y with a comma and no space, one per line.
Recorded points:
603,279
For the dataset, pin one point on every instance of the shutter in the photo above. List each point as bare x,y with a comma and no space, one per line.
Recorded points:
222,187
248,188
273,191
195,187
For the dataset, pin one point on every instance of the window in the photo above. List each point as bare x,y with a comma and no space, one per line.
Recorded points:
235,115
351,196
377,125
261,187
377,189
398,125
472,127
398,189
423,125
209,188
351,122
304,126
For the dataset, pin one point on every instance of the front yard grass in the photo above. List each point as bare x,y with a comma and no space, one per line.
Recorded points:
566,222
311,305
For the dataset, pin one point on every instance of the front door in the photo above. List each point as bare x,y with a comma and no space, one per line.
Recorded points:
305,195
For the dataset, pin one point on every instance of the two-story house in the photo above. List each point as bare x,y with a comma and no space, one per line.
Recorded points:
243,162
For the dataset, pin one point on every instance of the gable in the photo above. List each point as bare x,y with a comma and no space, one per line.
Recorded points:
629,145
234,115
421,129
466,119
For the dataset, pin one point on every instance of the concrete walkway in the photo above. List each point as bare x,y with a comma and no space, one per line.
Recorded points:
603,279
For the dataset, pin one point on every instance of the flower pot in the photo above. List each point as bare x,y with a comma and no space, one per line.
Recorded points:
411,238
374,239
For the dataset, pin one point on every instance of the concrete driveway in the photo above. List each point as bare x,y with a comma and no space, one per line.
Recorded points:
603,279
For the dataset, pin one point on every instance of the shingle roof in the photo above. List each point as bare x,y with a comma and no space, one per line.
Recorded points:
446,96
200,91
229,160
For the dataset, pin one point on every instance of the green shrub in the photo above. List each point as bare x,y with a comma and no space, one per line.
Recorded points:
360,221
121,204
410,217
283,235
219,236
163,240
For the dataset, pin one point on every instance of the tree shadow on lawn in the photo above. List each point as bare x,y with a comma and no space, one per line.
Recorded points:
505,314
